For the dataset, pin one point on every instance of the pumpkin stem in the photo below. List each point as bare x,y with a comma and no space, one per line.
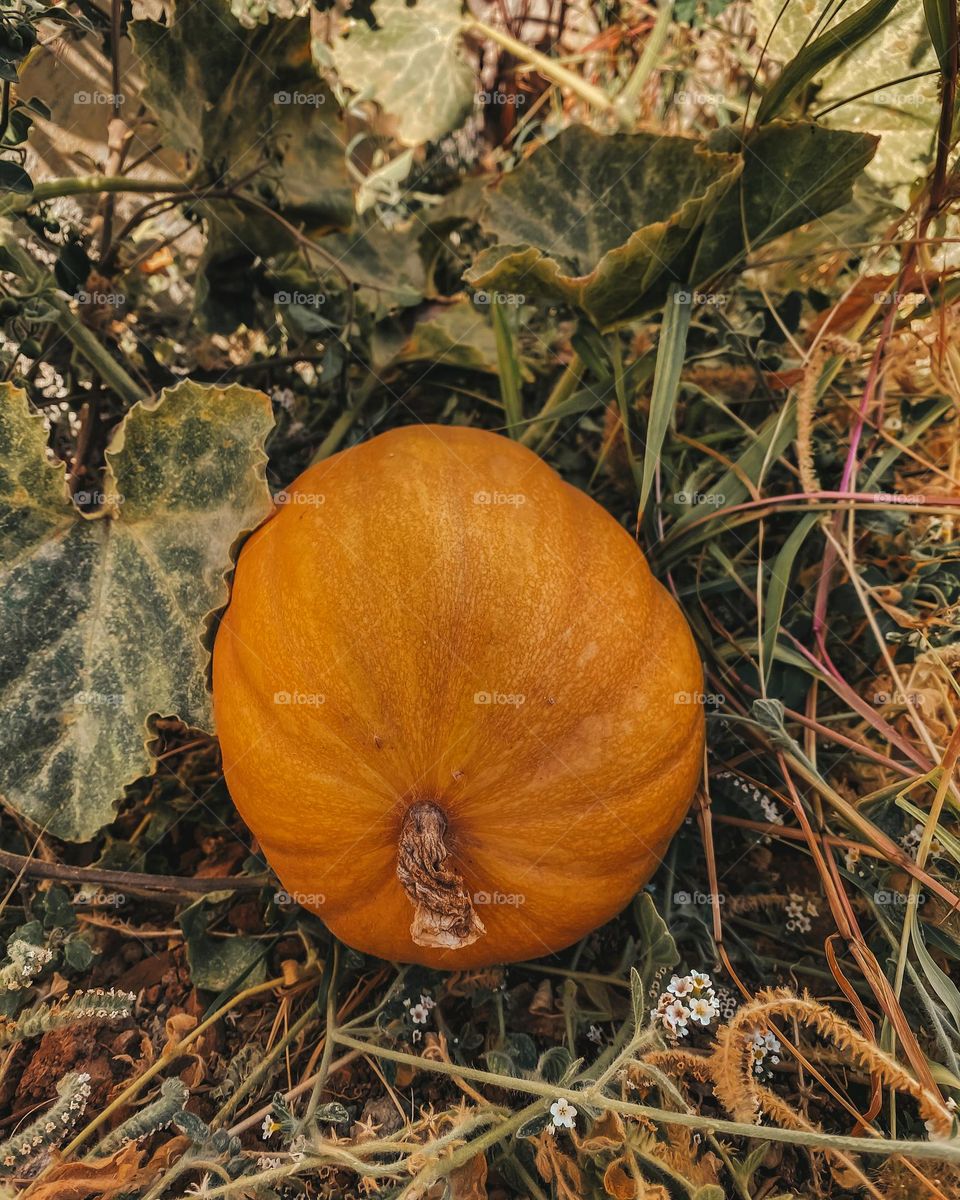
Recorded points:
444,914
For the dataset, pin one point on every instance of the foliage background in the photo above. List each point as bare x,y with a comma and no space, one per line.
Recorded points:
701,257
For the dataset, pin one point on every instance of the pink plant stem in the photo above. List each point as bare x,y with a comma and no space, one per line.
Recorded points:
848,478
860,706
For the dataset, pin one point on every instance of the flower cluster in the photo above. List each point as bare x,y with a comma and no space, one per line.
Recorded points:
799,912
766,1048
688,999
419,1013
251,13
26,963
767,804
47,1130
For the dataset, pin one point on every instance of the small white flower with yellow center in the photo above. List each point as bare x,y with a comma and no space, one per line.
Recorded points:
674,1015
702,1010
680,985
564,1114
269,1127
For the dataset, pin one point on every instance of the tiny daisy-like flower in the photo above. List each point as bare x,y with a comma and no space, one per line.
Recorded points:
674,1016
419,1014
564,1114
269,1126
427,1001
700,980
680,985
702,1010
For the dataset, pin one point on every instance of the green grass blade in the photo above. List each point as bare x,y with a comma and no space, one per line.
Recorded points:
666,381
509,368
777,589
820,53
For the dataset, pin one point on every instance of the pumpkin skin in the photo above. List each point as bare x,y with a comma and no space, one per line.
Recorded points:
435,625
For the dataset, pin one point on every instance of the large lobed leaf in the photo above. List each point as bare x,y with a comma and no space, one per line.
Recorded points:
207,80
597,222
606,224
103,616
412,66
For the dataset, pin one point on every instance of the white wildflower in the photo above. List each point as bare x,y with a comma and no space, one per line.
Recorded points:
563,1113
680,985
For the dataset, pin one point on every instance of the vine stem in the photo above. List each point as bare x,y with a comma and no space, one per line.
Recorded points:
80,185
549,68
938,1150
109,370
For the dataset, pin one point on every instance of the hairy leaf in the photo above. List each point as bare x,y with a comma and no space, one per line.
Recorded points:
602,223
794,172
657,951
412,66
104,616
207,81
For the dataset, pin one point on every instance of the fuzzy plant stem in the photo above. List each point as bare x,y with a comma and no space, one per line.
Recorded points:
73,1091
885,1147
170,1055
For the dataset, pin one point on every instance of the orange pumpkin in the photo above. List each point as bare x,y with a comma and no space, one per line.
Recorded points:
458,712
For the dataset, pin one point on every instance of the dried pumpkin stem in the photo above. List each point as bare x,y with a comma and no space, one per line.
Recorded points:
444,914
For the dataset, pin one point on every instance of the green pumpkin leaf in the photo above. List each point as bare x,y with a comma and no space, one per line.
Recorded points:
457,335
601,223
219,964
105,615
794,172
205,78
412,66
